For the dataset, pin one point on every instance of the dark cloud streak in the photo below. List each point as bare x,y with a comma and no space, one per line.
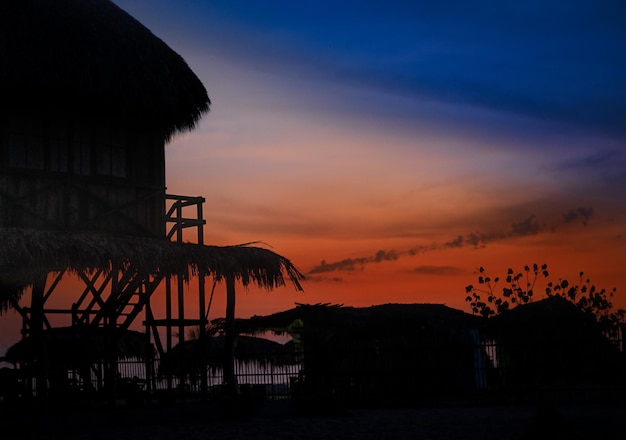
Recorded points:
350,264
438,270
584,214
526,227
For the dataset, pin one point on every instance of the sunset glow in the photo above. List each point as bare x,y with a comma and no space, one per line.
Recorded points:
390,150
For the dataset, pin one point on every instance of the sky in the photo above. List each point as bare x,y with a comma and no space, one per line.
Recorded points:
390,148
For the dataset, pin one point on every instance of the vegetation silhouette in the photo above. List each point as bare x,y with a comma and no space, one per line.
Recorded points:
519,288
567,341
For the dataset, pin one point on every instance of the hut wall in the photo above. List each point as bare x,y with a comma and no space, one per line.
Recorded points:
94,176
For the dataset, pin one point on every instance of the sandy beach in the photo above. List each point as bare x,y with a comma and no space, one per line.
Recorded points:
275,421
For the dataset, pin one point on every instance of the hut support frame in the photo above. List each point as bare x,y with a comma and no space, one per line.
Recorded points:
114,299
184,213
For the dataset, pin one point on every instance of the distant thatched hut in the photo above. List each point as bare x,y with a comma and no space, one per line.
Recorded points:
393,353
248,349
75,357
553,345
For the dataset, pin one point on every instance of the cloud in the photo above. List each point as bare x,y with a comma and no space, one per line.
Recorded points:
350,264
527,226
596,162
438,270
579,213
604,168
385,256
324,279
480,239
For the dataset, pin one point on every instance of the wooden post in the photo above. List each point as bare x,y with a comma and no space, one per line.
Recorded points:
37,336
229,338
182,367
168,327
110,342
203,340
181,302
149,360
204,386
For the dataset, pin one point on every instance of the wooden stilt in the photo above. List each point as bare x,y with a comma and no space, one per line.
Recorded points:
204,387
229,338
36,324
168,328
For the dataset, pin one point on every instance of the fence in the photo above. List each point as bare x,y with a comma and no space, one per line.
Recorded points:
389,372
272,379
573,369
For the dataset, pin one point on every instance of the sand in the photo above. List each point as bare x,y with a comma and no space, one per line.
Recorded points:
276,422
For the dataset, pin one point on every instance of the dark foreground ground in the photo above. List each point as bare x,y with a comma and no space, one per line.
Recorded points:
276,421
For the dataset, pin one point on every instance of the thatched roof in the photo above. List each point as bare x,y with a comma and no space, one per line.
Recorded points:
79,344
27,254
186,358
551,317
91,57
553,341
384,319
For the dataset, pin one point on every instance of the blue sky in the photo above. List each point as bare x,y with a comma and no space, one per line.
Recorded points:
560,60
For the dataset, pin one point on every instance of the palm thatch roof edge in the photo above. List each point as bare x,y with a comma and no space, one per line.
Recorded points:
27,254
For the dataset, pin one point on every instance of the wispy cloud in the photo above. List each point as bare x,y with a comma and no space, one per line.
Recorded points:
582,214
527,226
323,279
350,264
438,270
602,174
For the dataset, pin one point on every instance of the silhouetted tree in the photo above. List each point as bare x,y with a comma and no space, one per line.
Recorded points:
519,288
559,341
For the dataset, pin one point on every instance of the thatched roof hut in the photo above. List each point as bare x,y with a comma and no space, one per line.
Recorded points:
91,97
185,359
390,352
391,320
553,343
91,57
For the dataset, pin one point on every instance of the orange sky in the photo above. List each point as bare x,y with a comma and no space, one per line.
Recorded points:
381,193
338,190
